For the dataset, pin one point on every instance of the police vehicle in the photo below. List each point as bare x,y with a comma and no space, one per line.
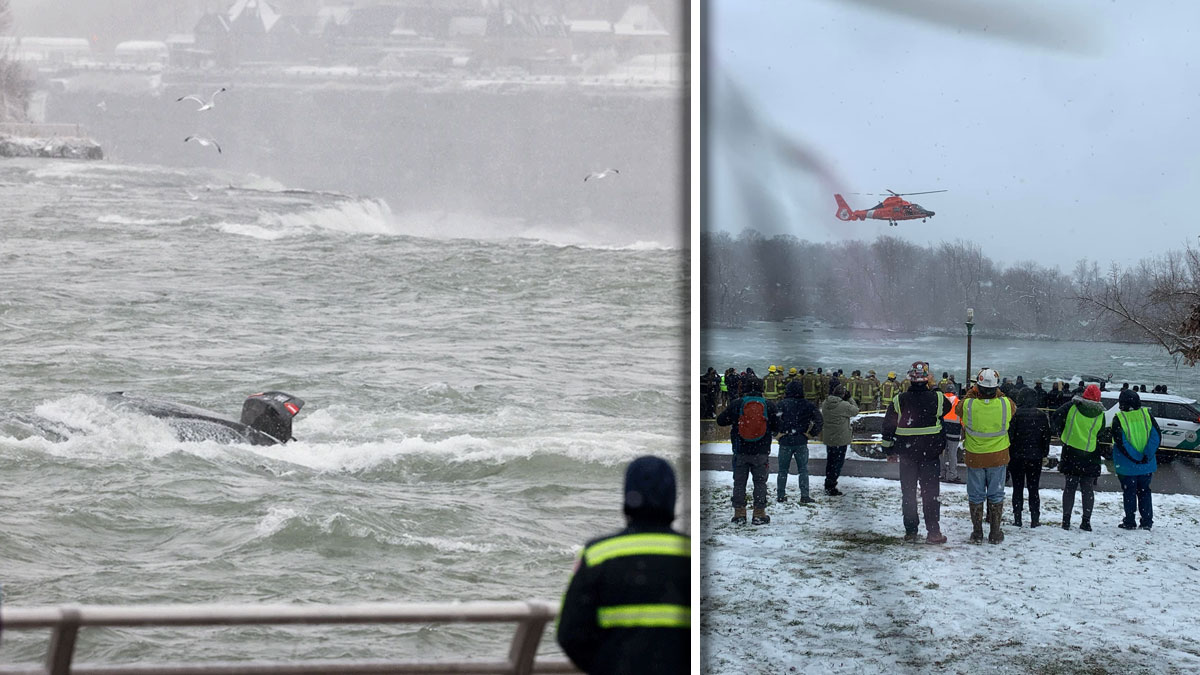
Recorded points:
1178,417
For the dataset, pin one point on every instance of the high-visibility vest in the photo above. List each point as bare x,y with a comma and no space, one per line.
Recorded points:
951,416
1080,430
1135,425
918,431
888,390
985,425
724,387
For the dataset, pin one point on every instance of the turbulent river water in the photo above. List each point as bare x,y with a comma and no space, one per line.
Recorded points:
805,344
473,391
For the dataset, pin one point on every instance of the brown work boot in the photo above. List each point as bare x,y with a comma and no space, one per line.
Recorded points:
935,536
995,513
976,523
739,515
760,517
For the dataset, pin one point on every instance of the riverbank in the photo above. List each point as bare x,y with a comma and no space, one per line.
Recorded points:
57,141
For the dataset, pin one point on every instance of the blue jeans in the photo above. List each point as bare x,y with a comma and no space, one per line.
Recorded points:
985,484
786,453
1136,493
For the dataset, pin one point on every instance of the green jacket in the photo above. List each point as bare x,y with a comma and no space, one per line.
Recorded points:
837,414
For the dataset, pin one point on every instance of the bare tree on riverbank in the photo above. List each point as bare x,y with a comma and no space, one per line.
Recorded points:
1158,299
15,86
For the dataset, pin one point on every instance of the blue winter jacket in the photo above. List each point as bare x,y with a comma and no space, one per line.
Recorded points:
1129,461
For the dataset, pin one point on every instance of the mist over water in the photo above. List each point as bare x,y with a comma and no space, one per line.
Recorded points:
473,392
805,344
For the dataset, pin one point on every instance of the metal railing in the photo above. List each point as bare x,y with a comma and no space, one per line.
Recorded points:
65,623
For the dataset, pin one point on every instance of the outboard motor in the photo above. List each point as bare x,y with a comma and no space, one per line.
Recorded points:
271,413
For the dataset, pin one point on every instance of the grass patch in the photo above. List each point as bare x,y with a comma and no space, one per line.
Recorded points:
862,541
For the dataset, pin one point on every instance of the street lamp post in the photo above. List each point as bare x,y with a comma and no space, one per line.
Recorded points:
970,325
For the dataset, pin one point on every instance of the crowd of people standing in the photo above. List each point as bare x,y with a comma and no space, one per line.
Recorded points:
1004,427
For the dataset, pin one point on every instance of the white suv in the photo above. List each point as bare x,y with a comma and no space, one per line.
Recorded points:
1178,418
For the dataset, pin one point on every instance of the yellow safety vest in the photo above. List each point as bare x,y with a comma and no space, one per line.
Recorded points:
985,426
1080,430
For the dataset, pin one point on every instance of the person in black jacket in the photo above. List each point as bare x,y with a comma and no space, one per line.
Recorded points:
710,386
754,420
627,608
912,431
797,420
1029,438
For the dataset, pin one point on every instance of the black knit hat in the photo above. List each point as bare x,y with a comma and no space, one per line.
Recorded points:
650,490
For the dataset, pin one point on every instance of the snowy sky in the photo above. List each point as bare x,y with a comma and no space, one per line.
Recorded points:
1062,130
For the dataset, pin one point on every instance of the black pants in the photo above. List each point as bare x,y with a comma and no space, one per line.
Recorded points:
708,406
835,456
1087,486
1026,472
925,472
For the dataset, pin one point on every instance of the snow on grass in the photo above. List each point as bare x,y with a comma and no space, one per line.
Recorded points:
816,450
832,588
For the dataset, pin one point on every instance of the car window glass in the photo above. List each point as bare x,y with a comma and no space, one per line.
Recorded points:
1178,411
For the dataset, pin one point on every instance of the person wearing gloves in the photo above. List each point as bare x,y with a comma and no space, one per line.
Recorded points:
986,415
913,435
1078,423
1136,437
1029,439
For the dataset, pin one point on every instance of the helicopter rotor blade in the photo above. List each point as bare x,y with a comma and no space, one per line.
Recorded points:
929,192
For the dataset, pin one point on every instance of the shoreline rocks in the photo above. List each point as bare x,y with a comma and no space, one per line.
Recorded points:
57,147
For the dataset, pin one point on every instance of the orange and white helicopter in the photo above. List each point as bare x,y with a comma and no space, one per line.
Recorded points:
891,209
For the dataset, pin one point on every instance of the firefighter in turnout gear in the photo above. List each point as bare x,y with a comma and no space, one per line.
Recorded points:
871,391
773,386
855,386
888,389
627,608
912,434
812,387
792,376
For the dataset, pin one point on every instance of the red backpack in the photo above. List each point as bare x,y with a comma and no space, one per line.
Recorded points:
752,423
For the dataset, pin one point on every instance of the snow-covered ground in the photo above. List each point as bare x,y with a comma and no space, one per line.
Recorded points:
832,588
816,450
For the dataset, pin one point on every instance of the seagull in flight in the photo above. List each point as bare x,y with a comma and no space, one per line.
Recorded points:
204,105
600,174
203,140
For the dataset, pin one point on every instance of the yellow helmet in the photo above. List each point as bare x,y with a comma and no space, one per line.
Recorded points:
771,369
791,371
891,374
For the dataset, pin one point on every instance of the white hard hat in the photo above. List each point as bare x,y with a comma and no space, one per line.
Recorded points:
988,377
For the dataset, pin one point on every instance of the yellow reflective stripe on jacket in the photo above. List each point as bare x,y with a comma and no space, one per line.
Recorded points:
644,616
919,431
636,544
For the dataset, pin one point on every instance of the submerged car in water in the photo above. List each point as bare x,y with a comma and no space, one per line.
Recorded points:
266,420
